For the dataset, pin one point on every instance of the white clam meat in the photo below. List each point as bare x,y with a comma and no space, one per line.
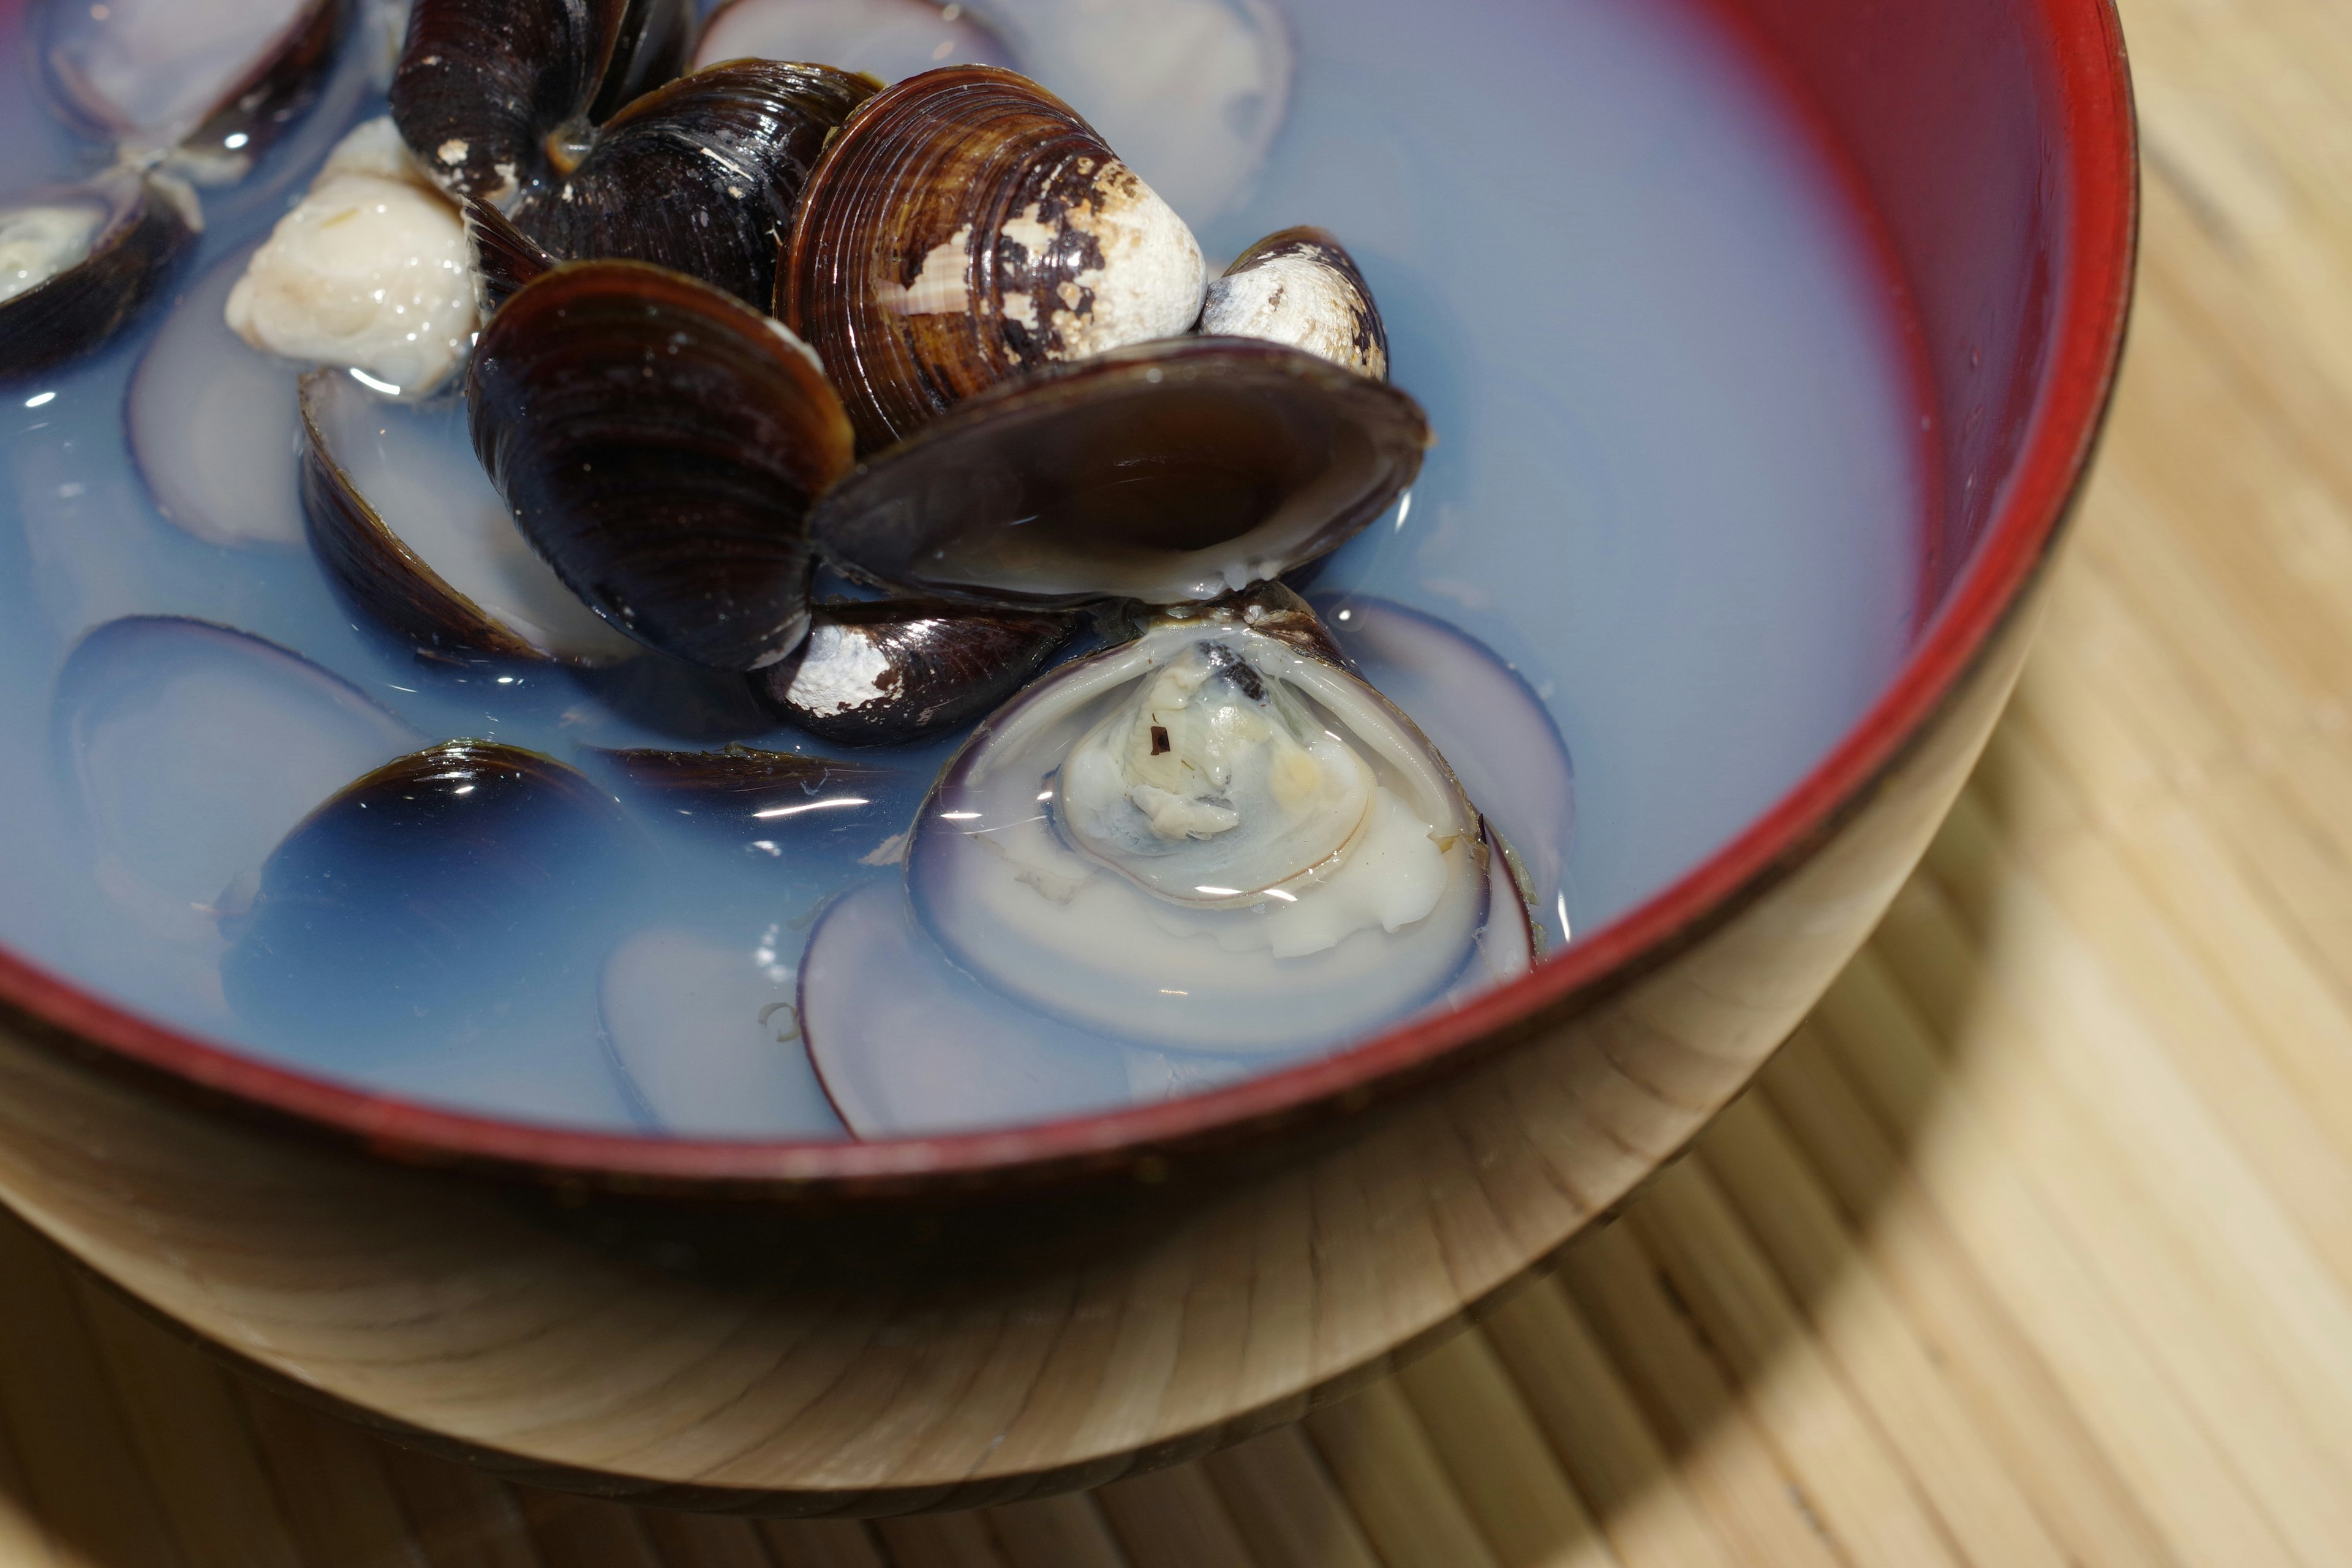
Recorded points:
1205,840
369,271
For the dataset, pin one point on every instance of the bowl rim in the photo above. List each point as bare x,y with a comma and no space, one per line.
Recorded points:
2093,94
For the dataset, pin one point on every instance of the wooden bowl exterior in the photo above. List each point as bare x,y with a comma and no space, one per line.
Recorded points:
947,1323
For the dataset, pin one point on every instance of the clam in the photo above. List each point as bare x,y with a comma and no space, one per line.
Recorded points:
1300,287
898,670
489,95
1171,473
1209,838
966,227
409,529
905,1045
369,271
659,443
209,83
449,897
889,38
702,175
79,262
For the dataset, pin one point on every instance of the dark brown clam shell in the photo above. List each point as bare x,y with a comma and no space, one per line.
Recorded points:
253,110
701,177
481,89
505,259
1170,473
1300,287
435,897
741,791
660,444
898,670
146,229
946,244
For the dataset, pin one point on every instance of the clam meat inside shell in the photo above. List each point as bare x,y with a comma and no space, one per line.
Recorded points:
659,443
967,227
1207,839
79,262
1171,473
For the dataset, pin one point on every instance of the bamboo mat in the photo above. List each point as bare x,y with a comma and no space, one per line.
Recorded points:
2034,1248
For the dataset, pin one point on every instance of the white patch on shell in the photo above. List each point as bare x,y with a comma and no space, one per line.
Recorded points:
38,243
452,152
1294,299
942,287
1150,284
369,271
841,670
794,341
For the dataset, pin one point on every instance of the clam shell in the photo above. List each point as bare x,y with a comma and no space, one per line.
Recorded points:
139,229
505,259
899,670
214,82
480,89
702,175
404,520
1300,287
966,227
1171,473
741,794
660,443
447,891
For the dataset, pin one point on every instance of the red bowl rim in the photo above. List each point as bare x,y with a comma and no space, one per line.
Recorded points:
2094,100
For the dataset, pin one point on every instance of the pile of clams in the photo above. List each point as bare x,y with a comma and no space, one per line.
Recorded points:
613,360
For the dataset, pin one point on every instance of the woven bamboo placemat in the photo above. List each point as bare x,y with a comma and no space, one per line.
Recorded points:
2034,1248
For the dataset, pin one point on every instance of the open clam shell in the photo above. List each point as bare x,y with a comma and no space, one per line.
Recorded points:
402,518
1171,473
968,227
702,175
213,83
885,673
481,89
659,443
1300,287
78,262
1204,839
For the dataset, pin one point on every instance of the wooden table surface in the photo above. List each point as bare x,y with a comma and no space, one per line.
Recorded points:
2033,1248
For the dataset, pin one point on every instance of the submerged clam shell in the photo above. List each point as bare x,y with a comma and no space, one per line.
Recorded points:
660,443
212,82
898,670
404,520
1300,287
1024,878
968,227
742,793
1171,473
437,897
701,177
77,263
480,89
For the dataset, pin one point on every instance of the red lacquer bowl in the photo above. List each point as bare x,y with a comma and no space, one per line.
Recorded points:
946,1320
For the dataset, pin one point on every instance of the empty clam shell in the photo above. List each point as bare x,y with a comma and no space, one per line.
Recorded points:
701,177
480,89
1171,473
885,673
212,82
659,442
78,262
402,518
1300,287
965,227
